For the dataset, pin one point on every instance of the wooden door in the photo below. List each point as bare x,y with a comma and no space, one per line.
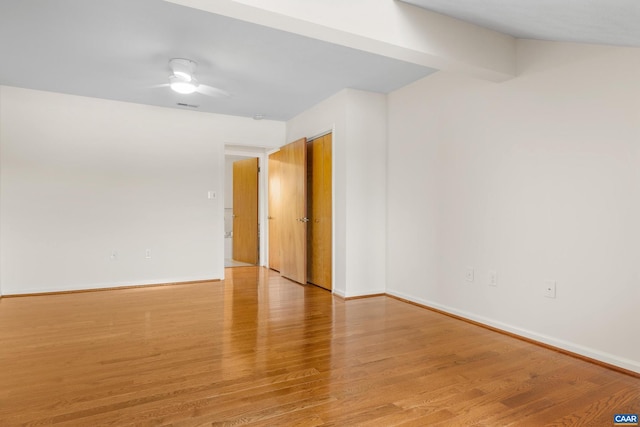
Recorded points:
245,211
293,187
274,216
319,187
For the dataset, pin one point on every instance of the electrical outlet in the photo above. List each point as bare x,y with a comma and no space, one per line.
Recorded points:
550,288
493,278
147,253
470,274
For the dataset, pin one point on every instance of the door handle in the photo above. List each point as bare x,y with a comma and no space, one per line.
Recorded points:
304,219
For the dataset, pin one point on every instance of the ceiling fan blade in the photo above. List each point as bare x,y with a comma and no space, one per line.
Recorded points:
157,86
212,91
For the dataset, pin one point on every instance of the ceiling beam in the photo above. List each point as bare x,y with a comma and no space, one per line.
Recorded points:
384,27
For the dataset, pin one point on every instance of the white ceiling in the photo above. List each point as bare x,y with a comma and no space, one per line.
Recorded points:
613,22
119,49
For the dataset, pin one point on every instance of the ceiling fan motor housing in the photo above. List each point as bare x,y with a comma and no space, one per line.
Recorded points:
183,68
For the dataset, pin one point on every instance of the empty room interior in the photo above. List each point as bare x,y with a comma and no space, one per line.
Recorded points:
274,212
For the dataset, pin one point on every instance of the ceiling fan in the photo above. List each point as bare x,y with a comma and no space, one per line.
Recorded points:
183,81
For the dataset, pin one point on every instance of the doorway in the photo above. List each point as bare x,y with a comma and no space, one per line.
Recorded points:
241,211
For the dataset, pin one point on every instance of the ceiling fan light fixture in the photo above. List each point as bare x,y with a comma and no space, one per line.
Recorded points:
180,85
183,75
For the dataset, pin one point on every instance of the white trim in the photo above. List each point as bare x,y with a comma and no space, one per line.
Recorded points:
338,293
611,359
111,285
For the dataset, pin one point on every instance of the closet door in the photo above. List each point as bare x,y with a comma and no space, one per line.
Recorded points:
274,216
319,188
245,211
293,187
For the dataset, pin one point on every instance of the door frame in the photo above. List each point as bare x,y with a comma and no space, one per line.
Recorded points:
261,154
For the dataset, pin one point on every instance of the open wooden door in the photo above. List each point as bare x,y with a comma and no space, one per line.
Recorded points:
245,211
319,202
274,215
293,189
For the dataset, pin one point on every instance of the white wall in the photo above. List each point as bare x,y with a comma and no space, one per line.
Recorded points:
83,177
537,178
358,122
366,177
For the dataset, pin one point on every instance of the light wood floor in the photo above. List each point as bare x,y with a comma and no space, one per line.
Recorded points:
257,349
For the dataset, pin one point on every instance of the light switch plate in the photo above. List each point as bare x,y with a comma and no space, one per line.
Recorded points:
469,275
493,278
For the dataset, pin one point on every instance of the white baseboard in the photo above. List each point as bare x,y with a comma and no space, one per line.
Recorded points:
106,285
354,296
608,358
339,293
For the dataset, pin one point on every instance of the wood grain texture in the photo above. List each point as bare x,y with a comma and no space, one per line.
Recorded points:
327,211
245,210
274,208
293,231
258,349
319,199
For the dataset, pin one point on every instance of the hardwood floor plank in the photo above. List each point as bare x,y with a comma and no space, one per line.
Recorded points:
257,349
